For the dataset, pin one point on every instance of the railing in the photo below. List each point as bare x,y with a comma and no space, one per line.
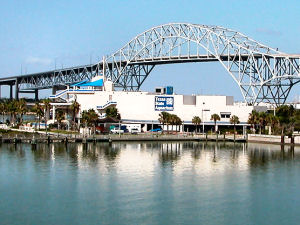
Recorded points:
106,105
59,94
72,90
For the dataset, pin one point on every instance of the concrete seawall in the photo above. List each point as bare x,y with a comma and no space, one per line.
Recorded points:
273,139
117,138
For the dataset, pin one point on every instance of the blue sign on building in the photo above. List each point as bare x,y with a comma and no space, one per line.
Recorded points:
164,103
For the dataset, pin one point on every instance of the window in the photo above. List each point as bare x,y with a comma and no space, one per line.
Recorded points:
225,114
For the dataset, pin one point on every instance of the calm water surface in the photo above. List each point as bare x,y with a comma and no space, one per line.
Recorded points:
150,183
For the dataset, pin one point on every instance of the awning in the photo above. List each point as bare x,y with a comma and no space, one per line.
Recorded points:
96,83
79,83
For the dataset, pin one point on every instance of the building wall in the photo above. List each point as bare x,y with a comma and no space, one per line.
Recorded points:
141,105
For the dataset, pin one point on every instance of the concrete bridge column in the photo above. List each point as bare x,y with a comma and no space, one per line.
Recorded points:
11,91
54,89
36,92
17,90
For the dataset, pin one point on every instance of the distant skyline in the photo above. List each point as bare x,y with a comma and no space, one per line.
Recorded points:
39,35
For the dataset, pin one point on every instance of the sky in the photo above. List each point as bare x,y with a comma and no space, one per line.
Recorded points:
37,36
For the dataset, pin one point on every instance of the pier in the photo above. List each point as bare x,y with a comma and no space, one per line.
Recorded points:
64,138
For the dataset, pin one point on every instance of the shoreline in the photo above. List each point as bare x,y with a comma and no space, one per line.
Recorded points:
116,138
21,136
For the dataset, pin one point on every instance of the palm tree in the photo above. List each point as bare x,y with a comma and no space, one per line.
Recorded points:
215,117
272,121
178,121
12,110
234,120
112,112
46,107
297,119
5,108
93,118
285,115
172,120
75,107
253,119
164,118
85,118
2,110
262,119
38,109
90,118
59,117
196,121
21,108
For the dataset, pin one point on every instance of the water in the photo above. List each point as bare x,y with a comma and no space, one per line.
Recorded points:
150,183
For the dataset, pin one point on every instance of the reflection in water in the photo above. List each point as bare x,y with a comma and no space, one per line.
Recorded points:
167,153
149,183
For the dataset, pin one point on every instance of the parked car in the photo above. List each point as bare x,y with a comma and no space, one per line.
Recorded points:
156,130
134,131
116,131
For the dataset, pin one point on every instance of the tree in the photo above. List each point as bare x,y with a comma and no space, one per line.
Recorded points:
215,117
262,119
297,119
5,108
38,109
2,110
196,121
21,108
112,112
253,119
178,121
59,117
272,121
285,115
93,118
234,120
90,118
164,119
12,110
174,120
75,107
46,106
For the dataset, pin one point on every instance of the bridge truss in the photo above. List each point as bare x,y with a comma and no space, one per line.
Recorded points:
262,73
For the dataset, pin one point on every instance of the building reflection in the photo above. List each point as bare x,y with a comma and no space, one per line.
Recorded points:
147,157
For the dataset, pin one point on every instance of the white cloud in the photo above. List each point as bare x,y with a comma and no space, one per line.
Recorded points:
38,60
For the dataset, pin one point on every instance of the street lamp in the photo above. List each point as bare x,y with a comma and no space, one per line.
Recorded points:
203,110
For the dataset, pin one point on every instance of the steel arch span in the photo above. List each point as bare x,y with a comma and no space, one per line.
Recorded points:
262,73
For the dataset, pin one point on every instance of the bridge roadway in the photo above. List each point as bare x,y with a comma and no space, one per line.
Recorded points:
263,74
58,79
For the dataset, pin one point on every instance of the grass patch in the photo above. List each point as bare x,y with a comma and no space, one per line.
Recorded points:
64,132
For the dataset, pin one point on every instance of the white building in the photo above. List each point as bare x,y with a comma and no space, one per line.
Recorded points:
144,107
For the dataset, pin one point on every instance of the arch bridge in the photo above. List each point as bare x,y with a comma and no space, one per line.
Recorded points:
263,74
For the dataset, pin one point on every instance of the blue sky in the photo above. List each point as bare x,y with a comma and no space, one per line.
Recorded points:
36,34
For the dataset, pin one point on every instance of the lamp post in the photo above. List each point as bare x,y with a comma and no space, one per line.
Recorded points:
203,103
203,110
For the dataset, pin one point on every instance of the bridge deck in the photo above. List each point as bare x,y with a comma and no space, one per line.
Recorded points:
150,61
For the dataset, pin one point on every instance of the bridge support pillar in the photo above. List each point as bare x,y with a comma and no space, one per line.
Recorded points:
54,89
36,95
17,90
11,91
